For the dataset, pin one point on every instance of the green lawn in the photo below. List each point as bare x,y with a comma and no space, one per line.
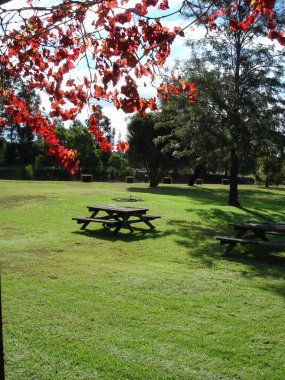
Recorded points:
157,305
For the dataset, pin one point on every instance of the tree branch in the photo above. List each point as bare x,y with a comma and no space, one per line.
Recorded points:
2,2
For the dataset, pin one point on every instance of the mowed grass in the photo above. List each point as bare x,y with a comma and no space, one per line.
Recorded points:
157,305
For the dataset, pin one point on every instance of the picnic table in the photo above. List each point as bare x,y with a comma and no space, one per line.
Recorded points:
117,217
253,233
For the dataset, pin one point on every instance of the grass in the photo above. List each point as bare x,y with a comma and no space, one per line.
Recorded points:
158,305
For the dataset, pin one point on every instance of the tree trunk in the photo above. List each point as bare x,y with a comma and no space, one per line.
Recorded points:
153,182
195,175
233,193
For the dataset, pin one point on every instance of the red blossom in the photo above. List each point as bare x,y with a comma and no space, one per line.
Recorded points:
122,146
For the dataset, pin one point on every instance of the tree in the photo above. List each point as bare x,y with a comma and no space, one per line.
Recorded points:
124,43
88,152
143,151
271,171
19,146
117,166
240,97
187,135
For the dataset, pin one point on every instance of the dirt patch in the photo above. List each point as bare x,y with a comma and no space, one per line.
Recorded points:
15,201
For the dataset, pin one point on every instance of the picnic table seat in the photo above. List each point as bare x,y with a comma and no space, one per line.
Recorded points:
150,217
83,219
229,239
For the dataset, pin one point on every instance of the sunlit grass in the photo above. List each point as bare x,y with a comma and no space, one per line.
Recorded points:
156,305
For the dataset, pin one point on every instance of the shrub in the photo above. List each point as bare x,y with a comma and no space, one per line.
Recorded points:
199,181
12,172
51,173
29,171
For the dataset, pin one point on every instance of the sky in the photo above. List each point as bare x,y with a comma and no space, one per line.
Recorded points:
179,51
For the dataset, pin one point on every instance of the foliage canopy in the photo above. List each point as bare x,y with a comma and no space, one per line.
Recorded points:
117,42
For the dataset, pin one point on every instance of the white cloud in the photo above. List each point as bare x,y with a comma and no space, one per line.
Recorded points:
118,118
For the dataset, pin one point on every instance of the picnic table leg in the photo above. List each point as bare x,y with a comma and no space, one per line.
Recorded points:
147,222
227,250
151,226
110,215
231,245
123,223
84,225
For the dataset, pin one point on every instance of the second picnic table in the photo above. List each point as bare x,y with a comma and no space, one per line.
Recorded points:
254,233
117,216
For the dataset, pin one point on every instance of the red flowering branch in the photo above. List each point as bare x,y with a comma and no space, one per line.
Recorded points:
258,9
117,43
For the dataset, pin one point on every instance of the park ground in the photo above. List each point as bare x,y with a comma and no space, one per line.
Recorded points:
152,306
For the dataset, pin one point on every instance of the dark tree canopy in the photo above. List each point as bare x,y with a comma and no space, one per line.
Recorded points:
143,150
240,99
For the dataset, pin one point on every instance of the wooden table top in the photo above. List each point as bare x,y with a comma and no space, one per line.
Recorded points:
261,226
119,209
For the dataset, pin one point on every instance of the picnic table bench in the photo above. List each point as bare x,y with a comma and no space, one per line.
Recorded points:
118,217
258,234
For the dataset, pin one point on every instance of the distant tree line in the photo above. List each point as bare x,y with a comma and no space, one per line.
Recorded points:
26,158
22,154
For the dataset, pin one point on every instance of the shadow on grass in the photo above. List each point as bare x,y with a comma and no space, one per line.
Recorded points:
197,194
262,216
220,219
199,240
196,233
256,198
103,234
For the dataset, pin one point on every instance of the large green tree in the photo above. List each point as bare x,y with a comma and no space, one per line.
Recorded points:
240,98
143,151
88,150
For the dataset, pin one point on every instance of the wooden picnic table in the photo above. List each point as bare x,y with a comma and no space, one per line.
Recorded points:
117,216
253,233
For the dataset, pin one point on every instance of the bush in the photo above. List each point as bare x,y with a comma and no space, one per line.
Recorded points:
12,172
86,177
51,173
199,182
225,181
29,171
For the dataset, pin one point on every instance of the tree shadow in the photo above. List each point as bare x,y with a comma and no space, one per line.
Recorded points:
262,216
197,195
197,230
222,218
199,240
217,196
